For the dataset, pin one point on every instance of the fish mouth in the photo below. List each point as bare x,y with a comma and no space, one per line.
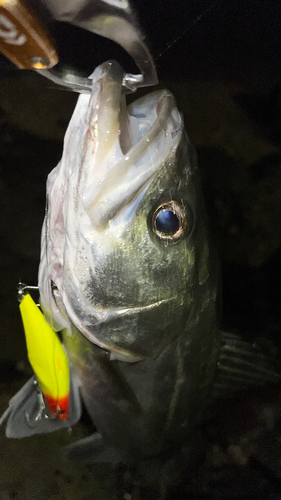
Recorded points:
124,146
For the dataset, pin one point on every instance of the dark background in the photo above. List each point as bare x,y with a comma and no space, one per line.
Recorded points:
222,61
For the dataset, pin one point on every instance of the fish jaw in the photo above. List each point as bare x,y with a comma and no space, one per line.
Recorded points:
86,143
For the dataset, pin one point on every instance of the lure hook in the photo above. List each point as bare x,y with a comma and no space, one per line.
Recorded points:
38,413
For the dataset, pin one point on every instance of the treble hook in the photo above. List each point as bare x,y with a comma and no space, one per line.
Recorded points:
39,412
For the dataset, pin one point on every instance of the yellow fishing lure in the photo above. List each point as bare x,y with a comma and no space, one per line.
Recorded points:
47,357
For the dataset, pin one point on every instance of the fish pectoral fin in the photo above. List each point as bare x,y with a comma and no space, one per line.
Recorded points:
26,412
241,366
92,449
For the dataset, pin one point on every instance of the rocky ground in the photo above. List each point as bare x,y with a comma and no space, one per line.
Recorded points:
232,113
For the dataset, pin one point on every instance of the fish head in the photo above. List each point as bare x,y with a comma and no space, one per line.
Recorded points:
125,239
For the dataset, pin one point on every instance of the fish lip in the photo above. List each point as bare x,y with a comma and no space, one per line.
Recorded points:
119,312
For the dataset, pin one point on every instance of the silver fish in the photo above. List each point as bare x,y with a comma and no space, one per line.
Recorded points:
130,277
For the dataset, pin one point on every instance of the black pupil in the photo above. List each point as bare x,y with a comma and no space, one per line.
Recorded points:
167,222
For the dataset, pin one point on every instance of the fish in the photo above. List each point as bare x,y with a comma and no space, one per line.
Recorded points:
130,278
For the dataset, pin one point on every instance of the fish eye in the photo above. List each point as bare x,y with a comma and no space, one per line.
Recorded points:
170,222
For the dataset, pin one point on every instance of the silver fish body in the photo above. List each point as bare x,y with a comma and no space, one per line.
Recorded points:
134,296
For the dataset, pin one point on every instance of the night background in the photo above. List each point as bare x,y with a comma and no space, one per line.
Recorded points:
222,61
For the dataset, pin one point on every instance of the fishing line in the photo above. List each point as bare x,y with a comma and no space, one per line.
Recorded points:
196,21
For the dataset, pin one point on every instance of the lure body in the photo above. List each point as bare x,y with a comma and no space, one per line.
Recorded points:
47,358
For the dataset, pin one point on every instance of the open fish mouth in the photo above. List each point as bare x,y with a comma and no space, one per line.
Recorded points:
124,147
